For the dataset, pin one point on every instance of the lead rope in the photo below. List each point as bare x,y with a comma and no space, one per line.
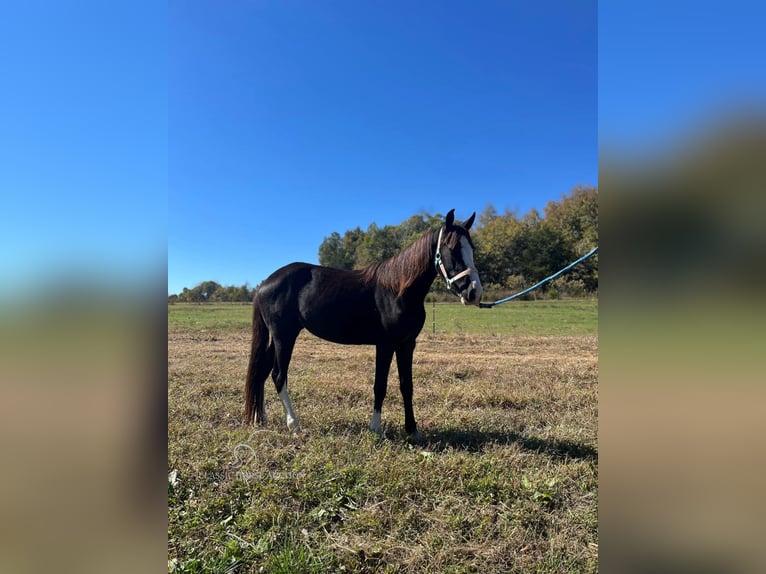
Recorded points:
543,282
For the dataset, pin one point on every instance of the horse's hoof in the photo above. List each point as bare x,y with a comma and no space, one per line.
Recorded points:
375,424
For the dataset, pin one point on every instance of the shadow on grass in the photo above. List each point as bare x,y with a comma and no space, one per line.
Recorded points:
473,440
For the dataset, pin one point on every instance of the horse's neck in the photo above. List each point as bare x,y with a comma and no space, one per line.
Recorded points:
422,285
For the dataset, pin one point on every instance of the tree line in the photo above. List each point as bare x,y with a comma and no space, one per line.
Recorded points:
212,292
512,252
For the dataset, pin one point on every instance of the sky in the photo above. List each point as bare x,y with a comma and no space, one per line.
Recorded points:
669,70
192,140
83,143
291,120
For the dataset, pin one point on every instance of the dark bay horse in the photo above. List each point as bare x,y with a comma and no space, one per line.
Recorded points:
381,305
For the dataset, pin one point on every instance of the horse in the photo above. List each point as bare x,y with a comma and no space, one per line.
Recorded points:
381,305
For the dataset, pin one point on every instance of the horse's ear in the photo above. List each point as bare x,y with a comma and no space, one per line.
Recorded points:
469,222
450,218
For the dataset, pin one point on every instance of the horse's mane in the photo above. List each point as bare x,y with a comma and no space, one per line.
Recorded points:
403,269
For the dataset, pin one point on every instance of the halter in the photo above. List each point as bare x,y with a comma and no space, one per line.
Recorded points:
441,270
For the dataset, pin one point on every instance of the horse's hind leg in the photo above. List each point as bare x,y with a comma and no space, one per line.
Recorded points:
260,407
283,348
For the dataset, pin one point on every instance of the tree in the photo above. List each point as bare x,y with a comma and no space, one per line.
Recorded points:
340,252
575,217
331,251
377,244
244,294
511,252
495,241
207,290
487,215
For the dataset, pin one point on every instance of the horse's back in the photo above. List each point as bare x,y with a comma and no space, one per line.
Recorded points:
305,281
279,288
333,304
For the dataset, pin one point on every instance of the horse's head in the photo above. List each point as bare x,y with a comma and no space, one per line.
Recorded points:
454,259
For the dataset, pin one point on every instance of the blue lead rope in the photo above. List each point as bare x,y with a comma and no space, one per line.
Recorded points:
543,282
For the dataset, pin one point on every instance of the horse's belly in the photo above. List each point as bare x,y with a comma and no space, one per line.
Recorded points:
345,332
349,326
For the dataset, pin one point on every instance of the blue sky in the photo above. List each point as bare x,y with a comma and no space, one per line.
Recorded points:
230,137
83,142
291,120
668,70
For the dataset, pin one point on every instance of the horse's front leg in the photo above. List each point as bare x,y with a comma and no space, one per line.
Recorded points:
383,356
404,354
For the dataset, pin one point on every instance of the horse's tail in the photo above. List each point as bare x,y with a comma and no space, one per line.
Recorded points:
261,363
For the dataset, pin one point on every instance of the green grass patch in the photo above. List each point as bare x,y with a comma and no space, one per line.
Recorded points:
191,317
566,317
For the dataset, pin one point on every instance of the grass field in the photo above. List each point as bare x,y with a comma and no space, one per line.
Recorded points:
517,318
506,480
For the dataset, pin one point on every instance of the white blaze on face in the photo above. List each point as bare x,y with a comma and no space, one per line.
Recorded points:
466,251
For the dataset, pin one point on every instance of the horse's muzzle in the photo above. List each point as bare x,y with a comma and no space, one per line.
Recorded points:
471,295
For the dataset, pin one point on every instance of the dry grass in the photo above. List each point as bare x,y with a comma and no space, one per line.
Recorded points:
505,482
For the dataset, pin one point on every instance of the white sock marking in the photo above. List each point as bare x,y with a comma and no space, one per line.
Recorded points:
292,420
375,425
